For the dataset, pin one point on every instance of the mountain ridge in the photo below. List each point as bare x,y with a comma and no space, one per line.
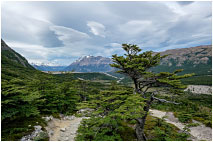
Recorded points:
198,56
194,59
10,56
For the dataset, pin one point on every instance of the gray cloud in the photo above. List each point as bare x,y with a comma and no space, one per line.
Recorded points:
61,32
68,35
185,2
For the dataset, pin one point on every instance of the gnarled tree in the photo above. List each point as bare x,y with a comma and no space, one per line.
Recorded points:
137,66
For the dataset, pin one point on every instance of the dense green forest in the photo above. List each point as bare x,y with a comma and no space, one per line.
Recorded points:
28,94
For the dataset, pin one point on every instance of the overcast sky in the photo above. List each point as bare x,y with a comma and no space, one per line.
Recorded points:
61,32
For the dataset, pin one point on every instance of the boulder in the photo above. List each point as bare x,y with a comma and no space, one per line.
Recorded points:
63,129
48,118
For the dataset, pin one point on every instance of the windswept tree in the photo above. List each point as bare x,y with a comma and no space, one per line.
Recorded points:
137,66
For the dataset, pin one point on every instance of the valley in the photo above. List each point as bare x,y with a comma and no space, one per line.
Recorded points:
51,101
106,70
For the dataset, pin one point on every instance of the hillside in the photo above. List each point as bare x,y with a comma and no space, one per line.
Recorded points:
10,57
195,59
28,94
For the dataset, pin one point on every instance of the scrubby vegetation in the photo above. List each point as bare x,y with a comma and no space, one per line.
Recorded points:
157,129
198,80
28,94
193,106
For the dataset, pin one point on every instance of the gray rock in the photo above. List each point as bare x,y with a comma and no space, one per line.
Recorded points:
48,118
61,115
63,129
37,128
51,132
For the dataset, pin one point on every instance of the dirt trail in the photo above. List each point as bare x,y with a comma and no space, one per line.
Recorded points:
198,133
63,130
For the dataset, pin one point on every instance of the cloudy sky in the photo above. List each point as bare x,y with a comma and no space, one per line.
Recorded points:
61,32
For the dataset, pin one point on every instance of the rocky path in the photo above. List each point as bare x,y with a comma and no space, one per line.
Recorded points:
198,133
63,129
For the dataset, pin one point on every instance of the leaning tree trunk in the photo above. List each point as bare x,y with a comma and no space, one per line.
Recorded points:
140,130
141,122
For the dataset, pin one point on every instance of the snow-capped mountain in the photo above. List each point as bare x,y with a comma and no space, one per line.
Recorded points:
90,64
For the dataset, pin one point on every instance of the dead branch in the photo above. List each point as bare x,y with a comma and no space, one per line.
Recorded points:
165,101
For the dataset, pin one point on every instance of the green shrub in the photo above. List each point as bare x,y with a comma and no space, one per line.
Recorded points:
184,118
208,123
43,136
99,129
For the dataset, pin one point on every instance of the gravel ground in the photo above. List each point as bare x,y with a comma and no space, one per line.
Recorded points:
63,129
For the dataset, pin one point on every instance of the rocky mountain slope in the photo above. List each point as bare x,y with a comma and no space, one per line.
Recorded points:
91,64
195,59
9,56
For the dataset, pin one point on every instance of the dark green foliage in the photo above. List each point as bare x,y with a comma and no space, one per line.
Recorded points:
99,129
31,94
184,117
134,64
15,129
198,80
111,109
17,101
119,103
28,93
127,132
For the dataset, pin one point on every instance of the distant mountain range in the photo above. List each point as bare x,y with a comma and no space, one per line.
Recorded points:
47,67
91,64
194,59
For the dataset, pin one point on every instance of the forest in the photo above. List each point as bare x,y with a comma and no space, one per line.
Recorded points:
119,112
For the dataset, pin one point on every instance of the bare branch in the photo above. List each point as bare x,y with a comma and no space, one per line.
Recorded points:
165,101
